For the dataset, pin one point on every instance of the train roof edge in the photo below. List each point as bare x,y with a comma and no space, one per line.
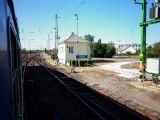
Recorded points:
11,6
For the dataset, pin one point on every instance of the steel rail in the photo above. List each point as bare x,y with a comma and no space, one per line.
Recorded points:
73,92
95,108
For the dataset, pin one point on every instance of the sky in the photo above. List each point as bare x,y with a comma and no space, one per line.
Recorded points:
109,20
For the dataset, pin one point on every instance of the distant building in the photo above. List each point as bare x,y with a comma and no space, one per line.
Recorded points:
71,49
123,48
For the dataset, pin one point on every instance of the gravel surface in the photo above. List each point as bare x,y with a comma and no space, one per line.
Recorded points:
116,67
141,96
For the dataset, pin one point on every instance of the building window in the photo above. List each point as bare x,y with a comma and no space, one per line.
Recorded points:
70,49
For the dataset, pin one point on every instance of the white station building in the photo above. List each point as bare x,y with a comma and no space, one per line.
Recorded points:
74,48
123,48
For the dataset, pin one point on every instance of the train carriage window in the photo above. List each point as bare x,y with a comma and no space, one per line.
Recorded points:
13,50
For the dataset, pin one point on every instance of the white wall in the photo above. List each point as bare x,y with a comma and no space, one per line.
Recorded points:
130,49
61,53
80,48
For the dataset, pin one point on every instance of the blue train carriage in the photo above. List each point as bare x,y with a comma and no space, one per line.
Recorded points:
10,64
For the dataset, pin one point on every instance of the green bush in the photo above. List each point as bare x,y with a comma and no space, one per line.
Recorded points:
80,63
54,55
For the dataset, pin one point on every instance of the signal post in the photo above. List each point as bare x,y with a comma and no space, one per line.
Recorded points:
155,18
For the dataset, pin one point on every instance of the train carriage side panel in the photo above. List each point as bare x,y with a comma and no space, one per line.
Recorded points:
9,65
5,83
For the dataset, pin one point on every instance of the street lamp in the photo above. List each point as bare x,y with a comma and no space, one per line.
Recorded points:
77,24
77,36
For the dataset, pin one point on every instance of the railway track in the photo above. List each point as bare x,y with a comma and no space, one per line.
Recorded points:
97,106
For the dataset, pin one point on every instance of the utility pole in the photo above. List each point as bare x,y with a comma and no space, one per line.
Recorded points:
143,37
48,42
55,38
143,26
56,31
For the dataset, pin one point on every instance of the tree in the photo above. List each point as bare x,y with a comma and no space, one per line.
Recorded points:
154,51
156,48
23,50
110,50
54,54
89,38
97,50
150,52
99,40
102,50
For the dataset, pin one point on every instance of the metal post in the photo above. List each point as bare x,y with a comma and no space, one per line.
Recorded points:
56,33
143,37
77,36
77,28
143,26
56,30
48,42
55,39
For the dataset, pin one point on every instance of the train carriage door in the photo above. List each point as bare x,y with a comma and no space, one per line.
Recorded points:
13,52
